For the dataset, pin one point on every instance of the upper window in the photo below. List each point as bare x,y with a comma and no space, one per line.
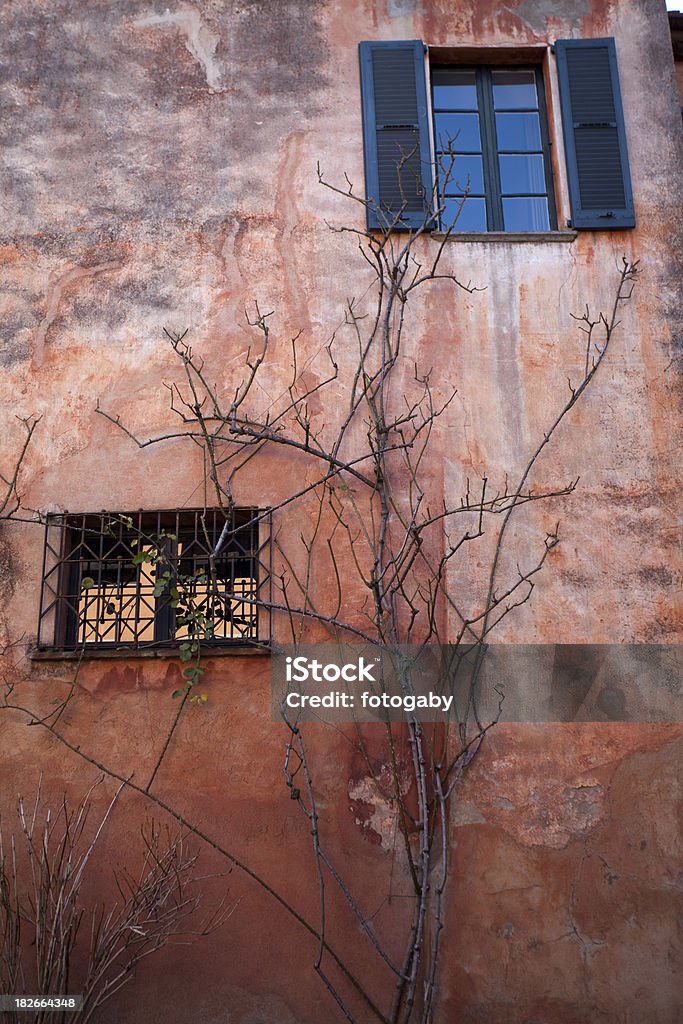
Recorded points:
146,579
487,144
491,144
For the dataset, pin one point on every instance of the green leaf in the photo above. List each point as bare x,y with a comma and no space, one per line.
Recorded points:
176,694
56,700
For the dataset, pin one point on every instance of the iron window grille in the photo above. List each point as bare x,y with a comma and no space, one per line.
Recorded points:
492,149
126,580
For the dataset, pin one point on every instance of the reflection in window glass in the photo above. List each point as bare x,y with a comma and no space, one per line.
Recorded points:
527,213
459,132
464,214
521,173
518,132
514,89
461,173
491,149
454,89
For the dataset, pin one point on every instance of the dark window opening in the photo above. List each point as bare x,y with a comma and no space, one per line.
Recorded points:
492,149
149,579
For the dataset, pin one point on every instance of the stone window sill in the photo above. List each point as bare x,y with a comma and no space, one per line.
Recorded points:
235,651
507,236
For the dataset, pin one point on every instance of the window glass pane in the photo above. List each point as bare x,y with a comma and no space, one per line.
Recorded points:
454,90
462,171
520,174
513,89
461,131
465,214
526,214
518,131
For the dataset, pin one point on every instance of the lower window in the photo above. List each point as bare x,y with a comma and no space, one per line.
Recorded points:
146,579
492,151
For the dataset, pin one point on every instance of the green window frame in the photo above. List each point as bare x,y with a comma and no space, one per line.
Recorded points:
492,148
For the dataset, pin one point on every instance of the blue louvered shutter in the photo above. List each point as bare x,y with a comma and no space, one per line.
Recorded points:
594,134
398,172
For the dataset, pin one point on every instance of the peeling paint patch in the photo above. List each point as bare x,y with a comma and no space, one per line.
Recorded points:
399,8
547,821
501,801
55,291
582,807
375,812
200,41
535,13
467,814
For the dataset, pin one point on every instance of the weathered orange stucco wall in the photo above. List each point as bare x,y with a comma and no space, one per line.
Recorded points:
160,171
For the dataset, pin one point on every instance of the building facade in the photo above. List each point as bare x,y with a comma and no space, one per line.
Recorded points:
167,170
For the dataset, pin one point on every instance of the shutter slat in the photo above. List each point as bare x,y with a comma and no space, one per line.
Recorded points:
594,134
598,159
393,73
400,180
398,176
590,84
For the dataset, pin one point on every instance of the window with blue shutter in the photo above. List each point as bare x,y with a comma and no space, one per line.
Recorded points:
491,141
594,134
398,162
